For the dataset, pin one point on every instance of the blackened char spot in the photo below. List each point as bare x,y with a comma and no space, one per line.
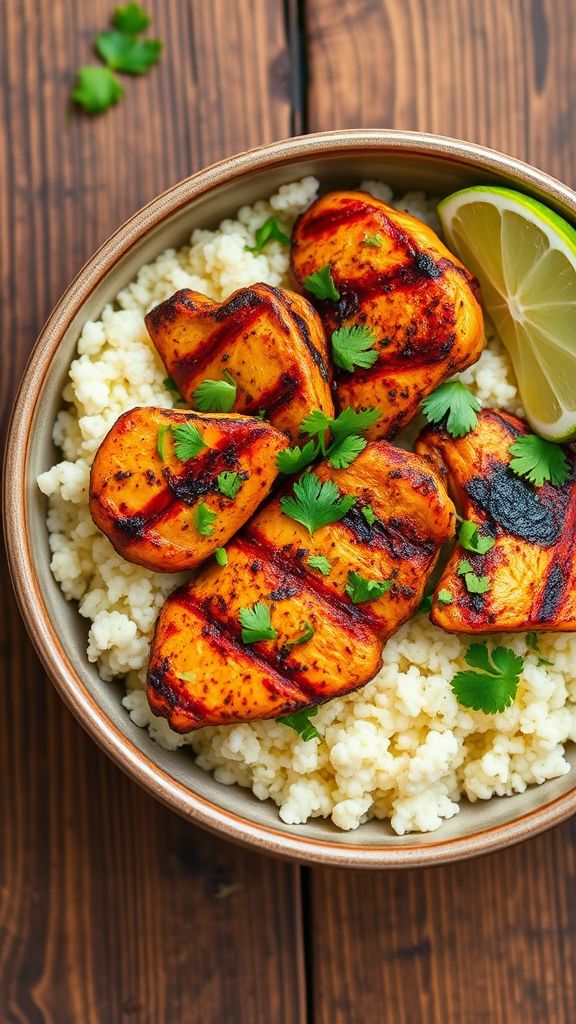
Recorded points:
122,475
515,506
283,593
356,522
134,526
157,682
426,265
553,593
306,338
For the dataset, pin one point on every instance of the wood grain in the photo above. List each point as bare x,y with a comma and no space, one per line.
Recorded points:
111,908
493,940
496,73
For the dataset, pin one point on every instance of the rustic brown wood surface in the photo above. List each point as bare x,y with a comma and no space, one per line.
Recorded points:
111,908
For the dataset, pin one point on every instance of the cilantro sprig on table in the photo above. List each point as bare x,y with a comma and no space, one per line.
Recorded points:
453,403
345,446
539,461
300,722
121,48
492,687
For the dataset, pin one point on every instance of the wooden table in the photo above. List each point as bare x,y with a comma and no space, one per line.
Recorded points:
112,908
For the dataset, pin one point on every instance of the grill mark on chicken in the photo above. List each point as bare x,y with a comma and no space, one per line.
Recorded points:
531,568
553,593
228,632
385,537
307,339
241,315
514,505
277,396
416,298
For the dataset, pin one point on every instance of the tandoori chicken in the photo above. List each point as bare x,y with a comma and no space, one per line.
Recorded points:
168,488
269,343
411,302
526,578
323,599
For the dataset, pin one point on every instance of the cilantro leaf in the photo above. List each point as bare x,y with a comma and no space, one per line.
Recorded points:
493,688
126,53
215,395
539,461
477,584
455,403
188,441
352,347
256,623
301,724
321,284
171,387
130,19
160,440
205,520
342,453
360,589
374,240
96,89
268,232
229,483
471,540
464,567
306,635
532,641
316,503
292,460
321,563
445,597
369,515
349,421
221,556
425,605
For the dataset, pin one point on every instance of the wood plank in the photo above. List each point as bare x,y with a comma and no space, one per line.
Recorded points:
493,940
496,73
112,908
488,940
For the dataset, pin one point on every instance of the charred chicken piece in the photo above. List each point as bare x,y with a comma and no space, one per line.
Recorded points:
168,488
202,673
531,568
271,342
395,277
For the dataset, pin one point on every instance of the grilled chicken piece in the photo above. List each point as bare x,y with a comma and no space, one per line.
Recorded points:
413,293
270,341
532,565
201,673
145,498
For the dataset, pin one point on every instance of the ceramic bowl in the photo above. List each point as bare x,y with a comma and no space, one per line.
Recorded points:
339,159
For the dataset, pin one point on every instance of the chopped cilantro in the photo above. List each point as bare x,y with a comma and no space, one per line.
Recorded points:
126,53
292,460
321,563
342,453
353,346
256,623
316,503
493,687
322,285
369,515
221,556
360,589
304,637
453,402
270,231
300,722
229,483
445,597
374,240
205,520
471,540
96,89
130,19
215,395
188,441
539,461
160,440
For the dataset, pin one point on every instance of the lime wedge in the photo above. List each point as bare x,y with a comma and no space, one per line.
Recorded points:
524,256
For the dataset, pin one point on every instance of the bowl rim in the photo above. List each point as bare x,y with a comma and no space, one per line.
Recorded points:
100,727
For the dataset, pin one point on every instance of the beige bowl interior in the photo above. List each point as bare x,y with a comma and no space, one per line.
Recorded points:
341,161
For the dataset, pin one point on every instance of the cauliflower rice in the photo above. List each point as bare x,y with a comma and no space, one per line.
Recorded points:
401,747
